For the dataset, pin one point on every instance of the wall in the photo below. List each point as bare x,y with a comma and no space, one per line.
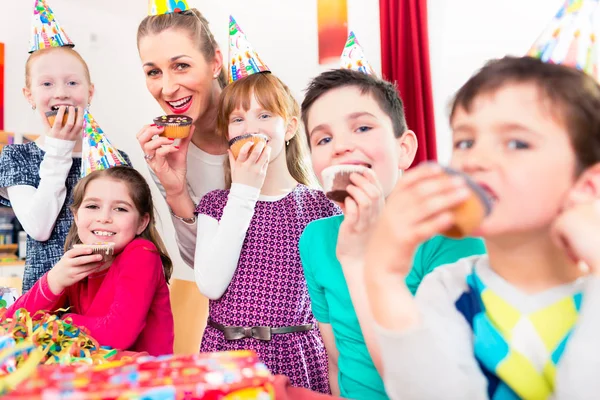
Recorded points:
463,34
284,33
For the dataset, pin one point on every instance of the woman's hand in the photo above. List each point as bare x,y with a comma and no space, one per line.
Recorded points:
168,162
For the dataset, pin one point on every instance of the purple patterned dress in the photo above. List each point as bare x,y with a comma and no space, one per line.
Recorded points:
269,289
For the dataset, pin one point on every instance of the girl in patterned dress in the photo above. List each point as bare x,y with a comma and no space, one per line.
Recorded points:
247,260
37,178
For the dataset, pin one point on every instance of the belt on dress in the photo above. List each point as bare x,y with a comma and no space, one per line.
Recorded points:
257,332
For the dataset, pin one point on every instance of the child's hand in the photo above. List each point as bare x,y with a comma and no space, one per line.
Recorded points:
576,230
361,211
72,130
418,208
75,265
250,167
168,162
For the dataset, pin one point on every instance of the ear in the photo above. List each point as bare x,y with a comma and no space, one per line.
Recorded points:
586,187
28,96
407,149
218,62
143,224
91,93
292,128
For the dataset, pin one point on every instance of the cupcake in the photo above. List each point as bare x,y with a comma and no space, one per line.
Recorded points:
469,214
176,126
235,144
51,115
336,180
107,250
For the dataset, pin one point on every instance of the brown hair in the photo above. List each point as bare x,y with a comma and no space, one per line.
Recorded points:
385,94
574,98
272,94
142,199
38,53
191,21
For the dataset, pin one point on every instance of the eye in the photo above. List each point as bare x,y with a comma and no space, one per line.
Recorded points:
324,141
91,207
516,144
464,144
236,120
121,209
72,83
153,72
181,66
47,84
264,116
363,129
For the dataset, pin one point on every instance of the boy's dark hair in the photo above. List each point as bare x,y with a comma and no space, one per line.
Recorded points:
384,93
574,97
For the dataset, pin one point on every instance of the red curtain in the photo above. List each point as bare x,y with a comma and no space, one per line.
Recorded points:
405,60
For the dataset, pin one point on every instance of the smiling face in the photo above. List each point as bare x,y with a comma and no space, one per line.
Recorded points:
519,151
178,76
346,126
55,77
108,214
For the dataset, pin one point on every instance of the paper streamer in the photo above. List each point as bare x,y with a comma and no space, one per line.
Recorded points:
26,341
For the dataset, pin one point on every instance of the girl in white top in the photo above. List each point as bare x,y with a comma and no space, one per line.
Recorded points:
183,67
36,179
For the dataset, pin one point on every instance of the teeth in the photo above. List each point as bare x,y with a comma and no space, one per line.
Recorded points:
103,233
179,103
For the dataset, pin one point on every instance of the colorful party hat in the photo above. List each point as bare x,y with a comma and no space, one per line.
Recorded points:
244,60
45,30
97,151
353,57
159,7
571,37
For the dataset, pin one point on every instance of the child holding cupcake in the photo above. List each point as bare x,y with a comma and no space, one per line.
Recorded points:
247,260
121,297
37,179
359,145
522,321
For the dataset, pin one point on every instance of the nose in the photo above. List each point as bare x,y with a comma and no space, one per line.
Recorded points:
104,216
170,85
252,125
343,144
61,92
476,159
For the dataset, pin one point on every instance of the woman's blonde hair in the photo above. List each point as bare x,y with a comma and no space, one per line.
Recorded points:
139,191
273,95
191,21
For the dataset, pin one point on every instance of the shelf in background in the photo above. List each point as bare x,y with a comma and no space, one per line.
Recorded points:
15,263
9,247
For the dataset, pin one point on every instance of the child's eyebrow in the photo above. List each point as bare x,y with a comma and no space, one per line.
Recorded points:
317,128
359,114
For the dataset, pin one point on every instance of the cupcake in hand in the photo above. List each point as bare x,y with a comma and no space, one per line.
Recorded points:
336,180
176,127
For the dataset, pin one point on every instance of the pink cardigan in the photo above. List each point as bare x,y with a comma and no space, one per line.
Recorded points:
126,307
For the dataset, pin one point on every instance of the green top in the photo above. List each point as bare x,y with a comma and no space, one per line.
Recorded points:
331,303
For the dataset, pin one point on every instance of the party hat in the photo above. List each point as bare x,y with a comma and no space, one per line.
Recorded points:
353,57
97,151
159,7
571,37
242,56
45,30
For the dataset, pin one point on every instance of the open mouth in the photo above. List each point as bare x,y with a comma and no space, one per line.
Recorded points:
57,106
181,104
103,233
